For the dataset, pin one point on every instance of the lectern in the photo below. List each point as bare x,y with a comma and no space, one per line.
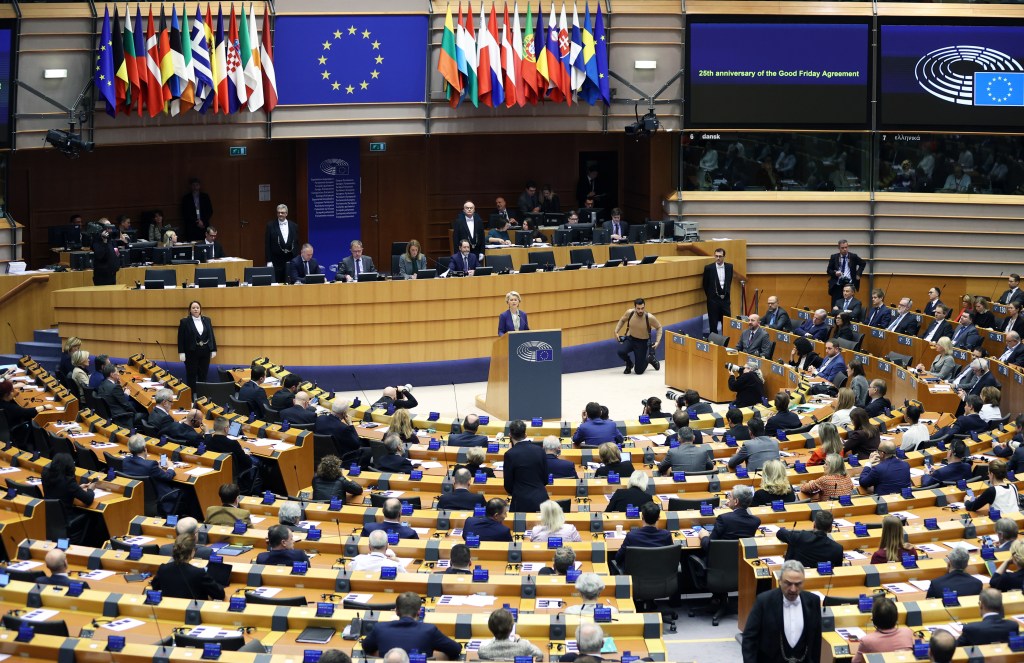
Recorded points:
525,378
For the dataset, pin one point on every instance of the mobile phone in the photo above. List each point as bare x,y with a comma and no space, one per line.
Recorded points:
163,460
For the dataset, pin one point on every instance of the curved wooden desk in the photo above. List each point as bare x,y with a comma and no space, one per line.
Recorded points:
383,322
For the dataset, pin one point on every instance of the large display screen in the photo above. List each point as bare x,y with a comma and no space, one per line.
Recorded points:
777,74
6,81
956,77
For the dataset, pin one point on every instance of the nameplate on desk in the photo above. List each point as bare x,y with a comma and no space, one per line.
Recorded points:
996,336
901,374
388,572
905,340
877,333
602,614
702,347
783,337
736,324
883,366
324,609
236,604
778,370
678,340
300,568
803,315
960,354
1002,369
1018,378
313,534
407,509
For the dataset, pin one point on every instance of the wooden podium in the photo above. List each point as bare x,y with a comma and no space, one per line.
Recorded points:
525,377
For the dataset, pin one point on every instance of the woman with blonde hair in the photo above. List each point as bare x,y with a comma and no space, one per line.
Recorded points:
774,485
71,344
170,238
943,364
80,372
552,523
845,403
829,436
612,459
892,546
412,261
401,423
513,319
1002,579
834,483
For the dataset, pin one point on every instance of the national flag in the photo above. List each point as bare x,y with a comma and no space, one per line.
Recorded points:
517,57
998,88
468,46
540,55
267,60
529,71
141,65
104,74
237,96
508,63
447,59
494,58
154,87
133,94
578,70
601,55
122,88
591,89
201,61
252,72
483,60
178,79
555,69
188,76
171,87
224,92
564,50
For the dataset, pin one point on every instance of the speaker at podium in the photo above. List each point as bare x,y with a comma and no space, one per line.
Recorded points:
525,377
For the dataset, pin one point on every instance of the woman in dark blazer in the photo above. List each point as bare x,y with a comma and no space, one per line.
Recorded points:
635,494
179,579
513,319
612,459
842,329
412,260
864,438
329,482
197,345
60,483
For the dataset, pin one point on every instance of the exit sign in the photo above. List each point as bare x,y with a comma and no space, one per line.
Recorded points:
378,147
237,151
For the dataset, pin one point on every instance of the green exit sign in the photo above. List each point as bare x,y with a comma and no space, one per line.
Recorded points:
237,151
378,147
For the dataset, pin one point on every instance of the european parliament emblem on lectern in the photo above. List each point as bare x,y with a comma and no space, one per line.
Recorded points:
525,378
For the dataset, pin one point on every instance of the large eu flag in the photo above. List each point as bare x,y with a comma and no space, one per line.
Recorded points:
350,59
998,88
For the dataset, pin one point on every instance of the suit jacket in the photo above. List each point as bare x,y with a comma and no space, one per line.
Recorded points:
404,532
163,480
345,437
992,628
732,526
184,581
777,320
623,229
466,440
594,432
929,308
487,529
223,514
947,472
878,317
808,328
855,264
962,583
944,328
460,231
297,271
759,345
712,286
190,230
986,380
830,367
60,580
623,497
407,634
967,424
642,537
341,488
347,267
561,469
755,453
908,325
748,387
688,458
191,342
253,394
877,407
394,463
765,626
889,476
1016,356
282,557
299,415
460,499
282,399
278,250
781,421
225,445
505,322
526,476
456,264
810,547
967,339
164,424
1006,297
121,410
855,308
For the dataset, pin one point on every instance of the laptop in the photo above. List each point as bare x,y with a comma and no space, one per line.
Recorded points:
315,278
220,572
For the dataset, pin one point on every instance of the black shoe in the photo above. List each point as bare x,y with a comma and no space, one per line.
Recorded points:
656,364
629,367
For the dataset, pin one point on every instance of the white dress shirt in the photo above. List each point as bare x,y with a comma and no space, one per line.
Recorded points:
373,562
721,274
283,227
198,322
792,620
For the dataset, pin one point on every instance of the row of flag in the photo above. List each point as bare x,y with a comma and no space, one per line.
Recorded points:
175,69
562,63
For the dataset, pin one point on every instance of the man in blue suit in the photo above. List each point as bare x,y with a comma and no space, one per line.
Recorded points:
966,336
302,265
957,579
469,436
57,564
738,523
832,363
814,327
879,314
595,431
955,468
137,465
992,627
648,536
337,425
407,633
162,423
970,422
392,512
558,468
461,498
489,527
885,472
463,261
282,548
252,391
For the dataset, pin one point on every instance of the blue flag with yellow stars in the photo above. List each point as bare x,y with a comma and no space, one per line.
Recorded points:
350,59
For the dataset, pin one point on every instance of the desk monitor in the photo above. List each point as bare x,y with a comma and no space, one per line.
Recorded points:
206,281
573,266
314,278
528,268
426,274
536,219
261,279
250,272
483,271
601,235
168,276
614,262
648,260
154,284
524,237
202,252
660,230
81,260
216,272
546,259
161,255
591,214
561,237
637,233
554,218
582,233
182,252
368,276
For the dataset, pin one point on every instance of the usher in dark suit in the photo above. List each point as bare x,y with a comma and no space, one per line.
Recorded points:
855,265
280,251
764,638
461,232
197,349
719,297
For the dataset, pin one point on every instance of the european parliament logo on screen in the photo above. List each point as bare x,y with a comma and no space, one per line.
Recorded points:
535,351
972,76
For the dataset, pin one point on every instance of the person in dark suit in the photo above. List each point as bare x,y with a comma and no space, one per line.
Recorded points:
219,442
475,458
106,259
618,230
849,303
340,428
302,265
460,560
877,402
469,436
717,281
782,419
992,627
933,300
301,412
611,461
815,546
525,471
408,633
1013,292
775,317
687,457
756,451
592,187
755,340
1014,321
137,465
197,344
815,327
970,421
122,412
282,550
60,483
162,423
886,473
284,397
464,260
489,527
905,321
351,267
738,429
252,391
648,536
832,363
281,243
1014,353
392,512
634,494
771,634
748,383
558,468
216,248
179,579
843,267
57,564
461,498
393,460
957,579
736,524
513,319
939,327
966,336
469,226
985,379
188,526
196,211
329,482
878,315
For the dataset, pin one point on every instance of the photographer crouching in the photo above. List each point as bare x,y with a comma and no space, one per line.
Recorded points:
747,381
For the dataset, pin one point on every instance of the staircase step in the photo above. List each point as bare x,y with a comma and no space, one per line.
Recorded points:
47,336
36,348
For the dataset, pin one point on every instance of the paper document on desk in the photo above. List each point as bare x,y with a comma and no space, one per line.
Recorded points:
256,519
9,470
138,540
199,471
358,598
266,592
854,555
97,574
263,442
210,632
430,465
933,548
98,492
24,565
966,545
900,587
282,446
98,445
39,615
123,624
851,632
905,514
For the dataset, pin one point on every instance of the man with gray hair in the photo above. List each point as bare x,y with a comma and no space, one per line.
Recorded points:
461,498
289,514
589,586
736,524
394,655
558,468
756,451
957,578
687,457
161,423
378,557
301,412
992,627
137,465
187,525
785,623
338,425
1014,353
281,243
564,559
815,327
1007,530
394,460
589,642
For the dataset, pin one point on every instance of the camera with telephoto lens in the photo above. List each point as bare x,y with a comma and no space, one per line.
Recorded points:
734,368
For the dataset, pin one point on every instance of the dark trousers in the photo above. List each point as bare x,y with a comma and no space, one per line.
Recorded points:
717,309
281,270
197,369
638,348
104,278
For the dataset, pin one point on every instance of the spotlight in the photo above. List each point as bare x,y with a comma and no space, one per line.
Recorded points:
68,143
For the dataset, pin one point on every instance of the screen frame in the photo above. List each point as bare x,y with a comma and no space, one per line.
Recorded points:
7,138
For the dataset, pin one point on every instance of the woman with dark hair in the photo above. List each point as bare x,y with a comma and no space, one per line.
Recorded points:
528,227
864,439
982,316
506,645
329,482
179,579
59,483
803,355
858,382
196,344
888,634
842,328
412,260
18,417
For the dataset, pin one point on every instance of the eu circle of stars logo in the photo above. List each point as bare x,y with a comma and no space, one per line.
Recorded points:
999,89
350,75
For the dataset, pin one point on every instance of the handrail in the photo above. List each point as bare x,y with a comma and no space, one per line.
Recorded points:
13,292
